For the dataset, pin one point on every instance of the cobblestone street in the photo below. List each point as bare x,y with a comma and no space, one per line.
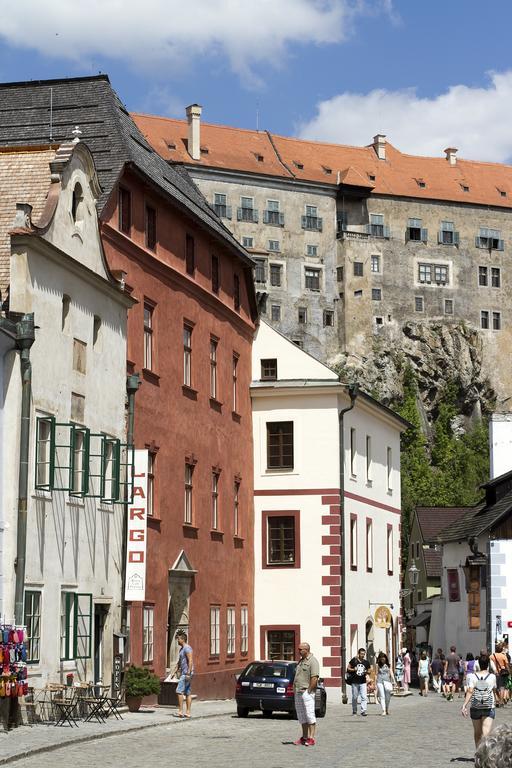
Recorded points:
421,733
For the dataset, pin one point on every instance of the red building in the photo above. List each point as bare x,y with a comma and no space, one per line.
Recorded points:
190,337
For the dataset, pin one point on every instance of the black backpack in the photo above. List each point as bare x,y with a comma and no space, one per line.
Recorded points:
482,696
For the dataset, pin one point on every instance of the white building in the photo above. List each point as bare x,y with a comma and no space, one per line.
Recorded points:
52,265
301,574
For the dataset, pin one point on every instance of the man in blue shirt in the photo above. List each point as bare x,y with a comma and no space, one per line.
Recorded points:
185,670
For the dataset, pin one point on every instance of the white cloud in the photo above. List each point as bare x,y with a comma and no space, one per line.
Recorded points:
172,33
476,120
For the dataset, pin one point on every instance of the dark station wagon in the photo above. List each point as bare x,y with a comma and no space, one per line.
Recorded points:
267,686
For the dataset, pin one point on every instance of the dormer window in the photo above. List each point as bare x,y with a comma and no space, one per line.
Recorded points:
421,184
371,176
298,165
465,188
259,157
502,192
327,171
171,145
205,151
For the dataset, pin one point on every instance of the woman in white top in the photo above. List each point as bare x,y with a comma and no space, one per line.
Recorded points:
480,695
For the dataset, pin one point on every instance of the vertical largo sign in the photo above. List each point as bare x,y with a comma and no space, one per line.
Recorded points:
137,529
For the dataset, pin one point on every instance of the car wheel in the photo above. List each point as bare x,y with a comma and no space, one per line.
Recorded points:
267,713
320,712
242,711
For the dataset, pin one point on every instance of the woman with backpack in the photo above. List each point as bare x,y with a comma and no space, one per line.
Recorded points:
480,695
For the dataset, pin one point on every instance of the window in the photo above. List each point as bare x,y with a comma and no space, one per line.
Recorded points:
312,279
80,452
213,368
275,312
96,330
190,257
368,459
148,336
274,246
452,575
248,242
66,303
447,234
222,209
151,483
236,508
328,318
489,238
311,220
125,210
231,631
77,204
189,505
390,549
269,369
496,321
150,227
474,597
215,274
376,294
375,264
495,277
424,273
244,629
448,306
234,365
147,634
215,500
281,644
369,545
440,274
339,274
415,231
32,621
246,211
376,227
272,215
66,624
418,303
214,630
303,315
280,445
281,544
353,452
353,543
417,550
312,251
275,274
483,275
358,268
236,291
45,449
389,467
484,319
260,271
187,355
75,626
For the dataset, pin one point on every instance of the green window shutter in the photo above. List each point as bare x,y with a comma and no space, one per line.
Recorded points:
80,444
95,465
126,470
110,470
82,635
63,456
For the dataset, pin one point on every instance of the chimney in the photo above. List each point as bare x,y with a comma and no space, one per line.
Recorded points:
194,130
450,153
500,443
379,145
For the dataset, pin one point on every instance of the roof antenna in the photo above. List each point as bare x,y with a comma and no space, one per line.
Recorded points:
51,115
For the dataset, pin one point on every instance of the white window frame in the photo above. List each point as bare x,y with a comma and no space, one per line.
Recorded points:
376,258
215,630
369,545
148,633
215,500
231,627
248,242
353,451
244,629
369,464
389,467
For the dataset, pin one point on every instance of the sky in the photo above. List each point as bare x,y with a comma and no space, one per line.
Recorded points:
427,73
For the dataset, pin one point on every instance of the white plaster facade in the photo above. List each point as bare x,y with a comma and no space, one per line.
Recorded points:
304,596
74,544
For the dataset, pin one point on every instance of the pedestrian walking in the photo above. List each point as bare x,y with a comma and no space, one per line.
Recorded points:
185,671
406,657
385,680
399,669
424,670
480,695
495,750
304,688
451,673
437,667
500,662
358,671
469,669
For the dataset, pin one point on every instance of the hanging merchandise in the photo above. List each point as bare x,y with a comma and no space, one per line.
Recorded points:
13,661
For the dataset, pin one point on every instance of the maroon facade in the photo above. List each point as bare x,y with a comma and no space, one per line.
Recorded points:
190,337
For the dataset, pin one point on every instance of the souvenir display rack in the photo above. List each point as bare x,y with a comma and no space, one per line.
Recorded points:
13,662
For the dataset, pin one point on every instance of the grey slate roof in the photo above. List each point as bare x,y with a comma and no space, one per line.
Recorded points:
477,520
110,133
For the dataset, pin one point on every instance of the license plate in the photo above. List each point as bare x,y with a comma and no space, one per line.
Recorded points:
263,685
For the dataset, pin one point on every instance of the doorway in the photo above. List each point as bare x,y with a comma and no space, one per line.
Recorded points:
370,647
100,617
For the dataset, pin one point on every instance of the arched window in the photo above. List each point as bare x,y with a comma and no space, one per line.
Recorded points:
66,302
77,204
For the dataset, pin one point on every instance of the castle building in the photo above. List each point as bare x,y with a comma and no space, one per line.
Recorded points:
353,243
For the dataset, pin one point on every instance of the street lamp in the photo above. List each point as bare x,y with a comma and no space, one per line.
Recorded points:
413,580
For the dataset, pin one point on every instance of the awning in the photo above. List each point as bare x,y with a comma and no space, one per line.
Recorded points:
419,621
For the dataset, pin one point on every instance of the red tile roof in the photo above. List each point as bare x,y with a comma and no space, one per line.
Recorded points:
259,152
432,520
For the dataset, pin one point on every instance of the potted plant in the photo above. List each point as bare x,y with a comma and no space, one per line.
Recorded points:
139,682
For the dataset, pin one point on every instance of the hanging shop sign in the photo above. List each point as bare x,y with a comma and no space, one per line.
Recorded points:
383,617
137,530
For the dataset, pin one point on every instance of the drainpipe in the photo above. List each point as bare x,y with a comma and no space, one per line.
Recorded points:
352,391
25,337
132,385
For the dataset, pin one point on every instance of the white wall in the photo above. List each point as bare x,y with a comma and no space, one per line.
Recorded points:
500,443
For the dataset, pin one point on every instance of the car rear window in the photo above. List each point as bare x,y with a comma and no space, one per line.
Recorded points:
266,670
